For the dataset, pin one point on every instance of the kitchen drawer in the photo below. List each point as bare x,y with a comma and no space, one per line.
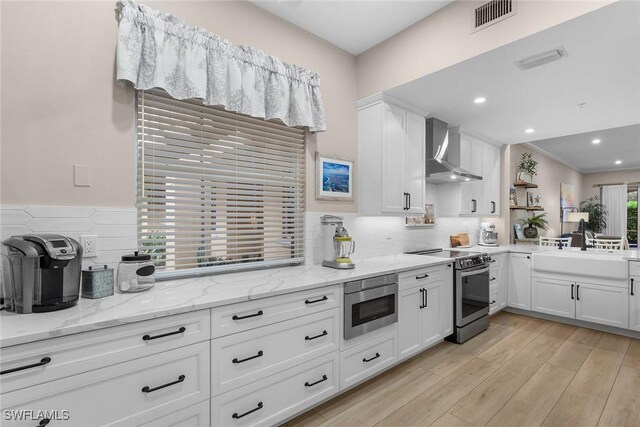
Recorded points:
271,400
115,394
278,347
240,317
634,268
420,277
369,358
194,416
74,354
493,302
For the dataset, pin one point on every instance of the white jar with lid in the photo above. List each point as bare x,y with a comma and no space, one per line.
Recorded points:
136,273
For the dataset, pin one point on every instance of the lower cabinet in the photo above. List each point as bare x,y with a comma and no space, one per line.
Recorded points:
634,302
197,415
498,283
425,311
553,296
271,400
519,288
367,359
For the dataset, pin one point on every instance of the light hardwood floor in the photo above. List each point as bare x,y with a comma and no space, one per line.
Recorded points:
522,371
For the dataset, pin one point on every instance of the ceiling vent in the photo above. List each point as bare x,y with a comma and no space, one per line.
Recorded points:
542,58
492,12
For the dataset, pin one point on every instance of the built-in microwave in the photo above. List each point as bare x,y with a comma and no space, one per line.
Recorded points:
370,304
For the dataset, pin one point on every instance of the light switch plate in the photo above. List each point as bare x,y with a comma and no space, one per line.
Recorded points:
89,243
81,176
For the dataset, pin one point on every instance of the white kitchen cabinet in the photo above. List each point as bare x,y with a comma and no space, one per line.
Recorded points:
607,305
446,305
368,358
391,160
634,302
498,282
553,296
471,159
519,289
490,197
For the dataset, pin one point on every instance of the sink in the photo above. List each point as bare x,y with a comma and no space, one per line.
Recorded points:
590,264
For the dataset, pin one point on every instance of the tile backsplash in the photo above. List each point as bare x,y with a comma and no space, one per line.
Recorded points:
116,230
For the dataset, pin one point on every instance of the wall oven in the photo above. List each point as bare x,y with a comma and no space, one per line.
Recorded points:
370,304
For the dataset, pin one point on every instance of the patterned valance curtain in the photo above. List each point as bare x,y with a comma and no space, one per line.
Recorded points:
157,50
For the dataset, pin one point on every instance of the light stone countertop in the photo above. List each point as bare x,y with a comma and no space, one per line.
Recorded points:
180,296
631,255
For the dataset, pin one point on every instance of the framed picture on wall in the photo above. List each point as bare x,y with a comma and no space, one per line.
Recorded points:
334,178
530,202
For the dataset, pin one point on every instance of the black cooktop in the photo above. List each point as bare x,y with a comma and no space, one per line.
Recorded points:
445,253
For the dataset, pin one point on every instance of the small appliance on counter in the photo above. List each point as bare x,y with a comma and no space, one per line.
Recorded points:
97,282
136,273
337,245
41,272
488,235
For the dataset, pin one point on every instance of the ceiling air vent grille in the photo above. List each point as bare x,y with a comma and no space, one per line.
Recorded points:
492,12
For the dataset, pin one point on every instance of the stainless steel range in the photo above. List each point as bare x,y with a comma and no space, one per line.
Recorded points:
470,291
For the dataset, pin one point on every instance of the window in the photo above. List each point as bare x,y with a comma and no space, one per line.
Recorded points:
217,190
632,215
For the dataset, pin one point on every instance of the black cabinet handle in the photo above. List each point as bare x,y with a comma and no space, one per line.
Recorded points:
406,201
492,261
421,299
149,337
373,358
493,207
235,416
528,257
236,317
324,333
42,362
449,265
475,205
578,292
324,298
409,201
572,285
147,389
493,302
632,287
308,384
424,276
492,279
43,422
236,360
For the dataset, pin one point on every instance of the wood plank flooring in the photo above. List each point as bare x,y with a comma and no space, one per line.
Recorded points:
523,371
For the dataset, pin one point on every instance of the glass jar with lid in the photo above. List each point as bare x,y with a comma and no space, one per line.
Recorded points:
136,273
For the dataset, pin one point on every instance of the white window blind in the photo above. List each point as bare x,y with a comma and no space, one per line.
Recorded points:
217,190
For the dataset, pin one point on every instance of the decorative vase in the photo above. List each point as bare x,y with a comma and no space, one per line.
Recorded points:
530,232
523,177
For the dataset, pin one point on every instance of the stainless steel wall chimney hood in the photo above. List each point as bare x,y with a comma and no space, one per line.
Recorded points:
443,155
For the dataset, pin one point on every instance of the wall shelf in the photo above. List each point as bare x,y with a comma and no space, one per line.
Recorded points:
525,185
526,208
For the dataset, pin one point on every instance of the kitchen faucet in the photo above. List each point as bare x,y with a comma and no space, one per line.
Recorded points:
581,226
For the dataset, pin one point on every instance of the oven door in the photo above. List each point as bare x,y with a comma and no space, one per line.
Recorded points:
371,309
472,294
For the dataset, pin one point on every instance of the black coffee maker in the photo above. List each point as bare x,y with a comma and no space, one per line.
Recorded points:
41,272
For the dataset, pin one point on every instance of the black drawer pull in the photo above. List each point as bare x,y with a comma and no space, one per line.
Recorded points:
324,333
424,276
42,362
236,317
493,302
632,287
236,360
149,337
146,388
578,292
324,298
373,358
572,286
324,378
492,279
237,417
43,422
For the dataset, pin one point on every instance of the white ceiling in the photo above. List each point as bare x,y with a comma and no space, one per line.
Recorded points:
354,25
602,70
579,152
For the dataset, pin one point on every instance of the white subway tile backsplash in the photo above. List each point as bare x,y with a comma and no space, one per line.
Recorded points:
59,211
15,216
115,230
112,217
58,225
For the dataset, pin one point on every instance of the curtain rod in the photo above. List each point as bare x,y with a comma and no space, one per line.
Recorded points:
617,183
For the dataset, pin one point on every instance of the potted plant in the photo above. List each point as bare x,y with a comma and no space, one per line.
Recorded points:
527,168
533,224
597,214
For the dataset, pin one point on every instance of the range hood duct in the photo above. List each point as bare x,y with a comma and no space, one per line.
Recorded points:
443,155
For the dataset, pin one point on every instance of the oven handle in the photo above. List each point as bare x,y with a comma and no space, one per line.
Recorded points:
473,272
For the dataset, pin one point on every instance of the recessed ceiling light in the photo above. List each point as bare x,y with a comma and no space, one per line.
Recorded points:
453,177
530,130
467,179
480,100
596,141
618,162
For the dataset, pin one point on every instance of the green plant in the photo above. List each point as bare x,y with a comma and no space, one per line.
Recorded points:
597,214
537,221
527,164
632,221
155,245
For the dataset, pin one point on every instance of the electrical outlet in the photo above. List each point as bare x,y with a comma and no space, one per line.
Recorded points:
89,243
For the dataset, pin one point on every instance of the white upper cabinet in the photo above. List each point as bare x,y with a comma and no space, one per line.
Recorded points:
391,162
480,158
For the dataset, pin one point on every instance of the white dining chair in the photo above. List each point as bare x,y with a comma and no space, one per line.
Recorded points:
607,244
555,241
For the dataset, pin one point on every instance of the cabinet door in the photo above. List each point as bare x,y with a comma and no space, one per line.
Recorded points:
503,280
607,305
490,180
519,289
415,162
471,158
446,301
553,296
431,331
634,304
409,302
393,159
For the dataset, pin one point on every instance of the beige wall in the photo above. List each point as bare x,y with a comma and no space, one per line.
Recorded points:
617,177
60,105
445,38
550,174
